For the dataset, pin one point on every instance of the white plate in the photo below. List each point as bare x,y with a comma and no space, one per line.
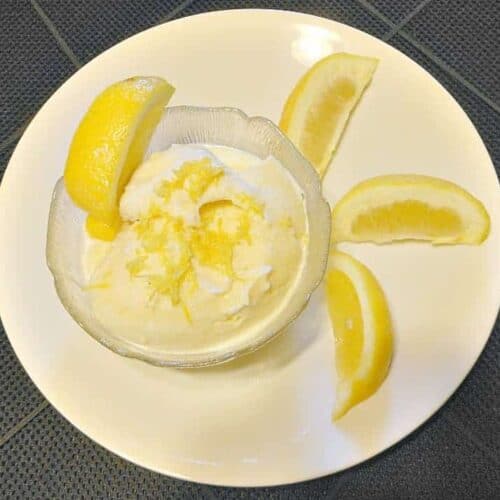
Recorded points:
264,419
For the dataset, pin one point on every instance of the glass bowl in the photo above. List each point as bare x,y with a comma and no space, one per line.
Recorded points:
195,125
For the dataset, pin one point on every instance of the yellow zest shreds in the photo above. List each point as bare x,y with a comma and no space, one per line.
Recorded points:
102,284
97,286
168,246
223,216
223,226
286,223
246,202
214,249
137,265
186,312
190,282
194,177
163,241
156,232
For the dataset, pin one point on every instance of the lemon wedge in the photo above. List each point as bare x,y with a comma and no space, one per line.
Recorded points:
362,328
409,207
319,106
109,144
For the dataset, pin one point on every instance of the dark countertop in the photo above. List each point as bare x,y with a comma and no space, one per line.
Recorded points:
456,454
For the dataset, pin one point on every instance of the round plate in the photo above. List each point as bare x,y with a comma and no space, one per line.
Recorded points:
264,419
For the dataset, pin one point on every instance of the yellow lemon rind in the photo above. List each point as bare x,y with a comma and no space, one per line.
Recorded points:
109,144
359,69
377,335
436,193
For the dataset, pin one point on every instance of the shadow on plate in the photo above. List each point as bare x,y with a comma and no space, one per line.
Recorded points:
278,352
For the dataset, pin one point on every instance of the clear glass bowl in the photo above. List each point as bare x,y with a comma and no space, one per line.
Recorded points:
193,125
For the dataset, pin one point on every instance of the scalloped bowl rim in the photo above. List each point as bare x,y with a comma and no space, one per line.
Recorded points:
306,286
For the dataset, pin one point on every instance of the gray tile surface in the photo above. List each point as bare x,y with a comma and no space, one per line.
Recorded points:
18,395
466,35
5,154
31,68
51,459
435,462
475,408
395,10
485,119
345,11
93,26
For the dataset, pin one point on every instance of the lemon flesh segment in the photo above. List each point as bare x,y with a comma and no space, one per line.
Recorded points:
362,329
109,144
409,207
318,109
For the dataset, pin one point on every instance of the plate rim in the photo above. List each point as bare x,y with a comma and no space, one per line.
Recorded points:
172,473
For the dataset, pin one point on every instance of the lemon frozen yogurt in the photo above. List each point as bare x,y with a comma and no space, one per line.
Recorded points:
213,241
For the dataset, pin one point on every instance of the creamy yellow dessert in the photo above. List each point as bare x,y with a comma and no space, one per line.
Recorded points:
196,255
212,245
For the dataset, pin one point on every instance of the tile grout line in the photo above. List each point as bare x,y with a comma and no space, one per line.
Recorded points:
451,72
175,11
478,443
70,54
435,59
405,20
376,13
55,33
23,422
